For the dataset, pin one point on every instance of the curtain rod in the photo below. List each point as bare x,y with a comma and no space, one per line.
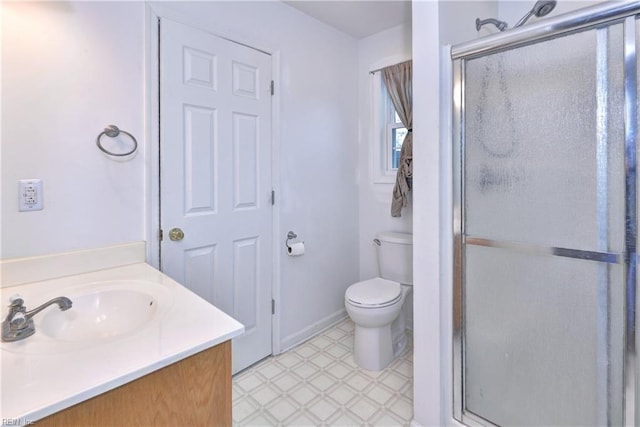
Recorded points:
382,68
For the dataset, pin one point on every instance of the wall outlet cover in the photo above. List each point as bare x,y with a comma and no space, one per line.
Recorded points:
30,195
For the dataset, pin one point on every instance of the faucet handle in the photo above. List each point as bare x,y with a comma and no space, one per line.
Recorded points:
16,300
19,321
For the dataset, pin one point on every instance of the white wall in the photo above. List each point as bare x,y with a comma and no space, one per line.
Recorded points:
69,69
427,387
72,68
379,50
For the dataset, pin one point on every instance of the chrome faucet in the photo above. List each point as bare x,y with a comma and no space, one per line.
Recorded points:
19,325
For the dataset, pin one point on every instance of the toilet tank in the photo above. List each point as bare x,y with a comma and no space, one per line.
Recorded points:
395,256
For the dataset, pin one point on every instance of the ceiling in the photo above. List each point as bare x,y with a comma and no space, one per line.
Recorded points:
359,18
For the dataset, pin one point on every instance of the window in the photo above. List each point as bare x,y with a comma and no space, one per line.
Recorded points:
393,131
386,130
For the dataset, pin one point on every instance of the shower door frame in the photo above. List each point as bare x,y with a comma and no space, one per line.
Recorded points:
594,17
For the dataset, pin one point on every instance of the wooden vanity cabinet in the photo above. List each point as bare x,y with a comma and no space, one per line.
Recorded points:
195,391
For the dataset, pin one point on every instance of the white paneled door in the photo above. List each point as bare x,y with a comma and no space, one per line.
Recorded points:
215,179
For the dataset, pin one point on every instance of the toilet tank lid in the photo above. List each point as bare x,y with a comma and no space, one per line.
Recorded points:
395,237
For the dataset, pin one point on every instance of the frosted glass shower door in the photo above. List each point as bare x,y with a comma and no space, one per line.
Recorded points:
542,201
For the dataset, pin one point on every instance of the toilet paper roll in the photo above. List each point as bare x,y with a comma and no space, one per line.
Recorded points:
296,249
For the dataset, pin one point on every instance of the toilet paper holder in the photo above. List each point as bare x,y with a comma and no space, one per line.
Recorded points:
290,236
294,248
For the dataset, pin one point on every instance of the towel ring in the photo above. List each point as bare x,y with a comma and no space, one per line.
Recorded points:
112,131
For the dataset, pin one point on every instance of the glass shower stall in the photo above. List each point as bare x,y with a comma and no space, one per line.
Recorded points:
545,221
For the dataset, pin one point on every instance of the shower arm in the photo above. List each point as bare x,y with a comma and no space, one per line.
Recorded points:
500,25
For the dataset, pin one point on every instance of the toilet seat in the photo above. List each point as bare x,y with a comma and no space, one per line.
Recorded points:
374,293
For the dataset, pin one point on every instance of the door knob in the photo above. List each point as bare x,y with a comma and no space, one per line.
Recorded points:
176,234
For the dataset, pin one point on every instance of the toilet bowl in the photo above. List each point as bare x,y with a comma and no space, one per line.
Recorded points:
376,341
375,305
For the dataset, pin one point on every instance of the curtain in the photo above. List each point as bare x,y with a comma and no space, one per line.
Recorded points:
398,79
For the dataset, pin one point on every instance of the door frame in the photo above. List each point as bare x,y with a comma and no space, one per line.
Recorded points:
153,14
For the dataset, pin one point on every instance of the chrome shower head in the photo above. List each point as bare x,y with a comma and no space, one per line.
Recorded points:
543,7
540,9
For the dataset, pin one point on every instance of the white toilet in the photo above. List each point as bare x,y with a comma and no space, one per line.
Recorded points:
375,305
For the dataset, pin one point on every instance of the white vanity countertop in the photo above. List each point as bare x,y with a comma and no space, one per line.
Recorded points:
40,376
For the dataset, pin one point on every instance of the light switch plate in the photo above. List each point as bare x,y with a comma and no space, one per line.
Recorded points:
30,195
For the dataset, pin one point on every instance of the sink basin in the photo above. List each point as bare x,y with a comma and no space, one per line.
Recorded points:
101,312
99,315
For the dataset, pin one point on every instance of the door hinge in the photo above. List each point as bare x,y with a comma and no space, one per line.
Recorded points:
273,197
160,235
273,306
273,87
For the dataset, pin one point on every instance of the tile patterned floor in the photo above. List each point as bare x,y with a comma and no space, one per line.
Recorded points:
318,384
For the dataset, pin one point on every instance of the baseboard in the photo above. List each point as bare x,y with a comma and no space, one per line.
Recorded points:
312,330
